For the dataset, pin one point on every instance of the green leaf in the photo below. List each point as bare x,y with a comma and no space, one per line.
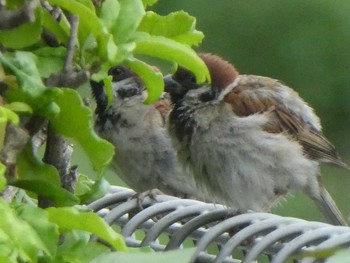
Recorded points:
19,107
109,13
179,26
38,219
23,65
3,124
2,176
149,2
177,256
88,21
108,89
18,239
31,167
152,79
161,47
31,90
50,191
88,3
77,248
43,179
83,185
8,115
130,16
50,60
24,35
97,190
55,27
71,219
75,121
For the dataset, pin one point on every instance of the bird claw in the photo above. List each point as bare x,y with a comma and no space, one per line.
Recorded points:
151,194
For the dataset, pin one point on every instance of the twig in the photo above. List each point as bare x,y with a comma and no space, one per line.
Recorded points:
14,18
69,77
74,23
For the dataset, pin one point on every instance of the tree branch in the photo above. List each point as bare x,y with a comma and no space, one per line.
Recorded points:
14,18
58,153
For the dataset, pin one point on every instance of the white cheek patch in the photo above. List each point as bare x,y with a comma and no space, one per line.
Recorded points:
228,89
144,95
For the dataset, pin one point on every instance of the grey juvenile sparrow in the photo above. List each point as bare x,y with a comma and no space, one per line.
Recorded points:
249,139
144,157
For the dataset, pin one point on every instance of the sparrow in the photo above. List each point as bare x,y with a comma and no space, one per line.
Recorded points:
249,140
144,158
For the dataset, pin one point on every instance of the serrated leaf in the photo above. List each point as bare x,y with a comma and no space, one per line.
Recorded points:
70,218
24,35
38,219
23,65
30,90
168,49
75,121
179,26
177,256
130,16
12,228
152,79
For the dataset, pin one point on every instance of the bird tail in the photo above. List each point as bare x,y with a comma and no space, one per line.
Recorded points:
329,209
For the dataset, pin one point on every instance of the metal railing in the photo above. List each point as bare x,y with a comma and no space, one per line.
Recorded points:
167,223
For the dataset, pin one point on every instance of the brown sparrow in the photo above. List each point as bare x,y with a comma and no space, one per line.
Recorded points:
249,139
144,157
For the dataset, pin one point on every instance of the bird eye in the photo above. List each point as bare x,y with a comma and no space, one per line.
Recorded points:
193,79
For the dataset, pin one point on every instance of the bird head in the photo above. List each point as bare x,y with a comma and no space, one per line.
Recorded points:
125,85
222,74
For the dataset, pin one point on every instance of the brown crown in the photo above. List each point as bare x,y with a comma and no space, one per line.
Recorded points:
222,73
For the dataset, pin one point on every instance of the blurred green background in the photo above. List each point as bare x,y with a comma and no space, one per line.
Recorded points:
303,43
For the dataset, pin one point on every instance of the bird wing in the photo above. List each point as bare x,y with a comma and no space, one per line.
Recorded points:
288,114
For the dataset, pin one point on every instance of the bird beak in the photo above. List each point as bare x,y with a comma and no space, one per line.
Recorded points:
170,85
